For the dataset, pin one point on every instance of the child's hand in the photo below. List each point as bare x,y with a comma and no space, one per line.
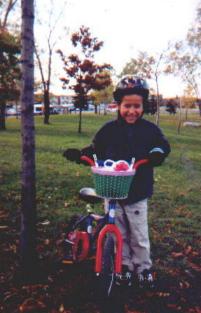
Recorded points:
72,155
156,158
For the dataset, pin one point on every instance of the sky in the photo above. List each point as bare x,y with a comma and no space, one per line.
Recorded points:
126,27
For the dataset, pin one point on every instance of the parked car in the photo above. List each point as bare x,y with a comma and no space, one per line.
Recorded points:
38,109
11,111
91,108
54,110
112,107
65,108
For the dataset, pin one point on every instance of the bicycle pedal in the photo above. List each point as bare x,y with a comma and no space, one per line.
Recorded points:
91,257
67,262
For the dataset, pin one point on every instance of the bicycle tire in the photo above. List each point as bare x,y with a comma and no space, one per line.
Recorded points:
107,277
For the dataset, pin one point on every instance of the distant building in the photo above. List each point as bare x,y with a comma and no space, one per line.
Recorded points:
61,99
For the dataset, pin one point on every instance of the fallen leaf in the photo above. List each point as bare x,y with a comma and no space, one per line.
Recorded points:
174,306
194,266
163,294
194,310
184,285
3,227
3,214
46,241
135,311
188,250
61,308
177,254
30,305
44,223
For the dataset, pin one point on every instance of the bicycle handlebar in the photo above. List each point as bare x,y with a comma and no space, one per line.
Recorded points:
88,160
135,166
139,163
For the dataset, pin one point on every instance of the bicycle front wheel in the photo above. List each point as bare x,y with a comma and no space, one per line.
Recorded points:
107,276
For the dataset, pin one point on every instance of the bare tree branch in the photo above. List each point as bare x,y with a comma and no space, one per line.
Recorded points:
9,8
40,65
47,72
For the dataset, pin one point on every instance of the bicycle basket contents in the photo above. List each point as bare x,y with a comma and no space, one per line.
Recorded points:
113,180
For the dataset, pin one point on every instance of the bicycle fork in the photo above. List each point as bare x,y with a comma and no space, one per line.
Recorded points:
113,229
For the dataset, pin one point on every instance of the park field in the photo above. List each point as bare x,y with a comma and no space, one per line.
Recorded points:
174,211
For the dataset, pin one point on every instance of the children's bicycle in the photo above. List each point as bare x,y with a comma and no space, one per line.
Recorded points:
95,235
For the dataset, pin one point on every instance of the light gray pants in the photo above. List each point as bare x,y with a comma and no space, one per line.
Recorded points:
133,224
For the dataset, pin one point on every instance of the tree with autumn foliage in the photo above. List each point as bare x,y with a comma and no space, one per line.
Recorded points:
184,59
82,73
9,61
9,72
102,96
171,106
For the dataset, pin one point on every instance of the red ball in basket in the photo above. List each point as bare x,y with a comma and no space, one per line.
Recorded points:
121,166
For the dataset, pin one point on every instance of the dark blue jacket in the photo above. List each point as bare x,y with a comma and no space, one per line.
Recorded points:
118,140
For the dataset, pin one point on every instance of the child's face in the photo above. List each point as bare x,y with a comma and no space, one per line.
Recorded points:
131,108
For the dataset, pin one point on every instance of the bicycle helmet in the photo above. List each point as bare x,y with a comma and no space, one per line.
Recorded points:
130,84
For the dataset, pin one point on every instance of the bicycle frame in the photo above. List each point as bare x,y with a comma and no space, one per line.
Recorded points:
84,237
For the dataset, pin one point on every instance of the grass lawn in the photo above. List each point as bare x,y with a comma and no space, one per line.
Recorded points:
174,214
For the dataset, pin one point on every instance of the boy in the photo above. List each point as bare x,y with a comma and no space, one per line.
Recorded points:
131,136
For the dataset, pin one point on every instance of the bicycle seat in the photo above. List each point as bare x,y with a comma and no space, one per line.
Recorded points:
89,195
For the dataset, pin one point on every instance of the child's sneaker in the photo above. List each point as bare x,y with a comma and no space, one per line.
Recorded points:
145,279
124,279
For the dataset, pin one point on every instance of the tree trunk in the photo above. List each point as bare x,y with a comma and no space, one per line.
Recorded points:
2,116
96,109
46,106
28,192
199,108
17,113
186,114
179,123
80,122
158,103
105,111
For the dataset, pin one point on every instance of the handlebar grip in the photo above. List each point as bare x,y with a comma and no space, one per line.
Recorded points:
139,163
88,160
